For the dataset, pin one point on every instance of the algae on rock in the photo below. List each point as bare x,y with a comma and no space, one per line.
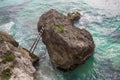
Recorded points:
6,74
8,57
60,28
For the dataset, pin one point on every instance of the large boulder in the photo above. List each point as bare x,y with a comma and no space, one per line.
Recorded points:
15,63
68,46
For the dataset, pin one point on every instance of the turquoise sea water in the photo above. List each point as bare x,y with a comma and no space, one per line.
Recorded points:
100,17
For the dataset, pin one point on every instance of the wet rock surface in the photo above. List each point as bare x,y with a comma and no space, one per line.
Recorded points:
68,46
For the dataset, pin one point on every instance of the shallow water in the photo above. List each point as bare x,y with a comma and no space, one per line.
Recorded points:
100,17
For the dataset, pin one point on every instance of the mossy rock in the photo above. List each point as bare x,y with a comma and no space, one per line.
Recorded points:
6,74
60,27
8,57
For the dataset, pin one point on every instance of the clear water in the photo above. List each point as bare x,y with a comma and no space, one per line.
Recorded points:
100,17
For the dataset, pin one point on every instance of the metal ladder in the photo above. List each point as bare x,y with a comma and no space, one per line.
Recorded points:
34,45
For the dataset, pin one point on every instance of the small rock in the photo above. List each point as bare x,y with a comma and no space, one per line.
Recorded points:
75,16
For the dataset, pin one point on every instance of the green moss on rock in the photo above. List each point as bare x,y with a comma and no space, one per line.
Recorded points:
6,73
8,57
60,27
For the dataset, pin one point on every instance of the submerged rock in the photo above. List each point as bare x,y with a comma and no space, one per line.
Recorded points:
15,63
68,46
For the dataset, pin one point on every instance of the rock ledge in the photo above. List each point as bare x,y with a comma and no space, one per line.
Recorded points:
15,63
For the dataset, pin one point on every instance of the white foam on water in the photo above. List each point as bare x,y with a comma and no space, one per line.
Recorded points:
104,4
45,70
6,27
87,19
110,7
68,0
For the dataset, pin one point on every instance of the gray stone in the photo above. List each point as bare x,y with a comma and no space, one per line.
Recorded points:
68,46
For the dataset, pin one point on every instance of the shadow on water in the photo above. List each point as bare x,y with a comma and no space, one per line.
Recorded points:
96,67
82,72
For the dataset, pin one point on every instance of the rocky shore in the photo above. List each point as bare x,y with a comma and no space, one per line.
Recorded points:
67,45
15,63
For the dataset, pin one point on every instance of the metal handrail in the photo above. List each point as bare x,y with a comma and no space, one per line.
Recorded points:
33,47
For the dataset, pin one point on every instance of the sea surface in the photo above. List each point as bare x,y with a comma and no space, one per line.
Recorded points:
100,17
